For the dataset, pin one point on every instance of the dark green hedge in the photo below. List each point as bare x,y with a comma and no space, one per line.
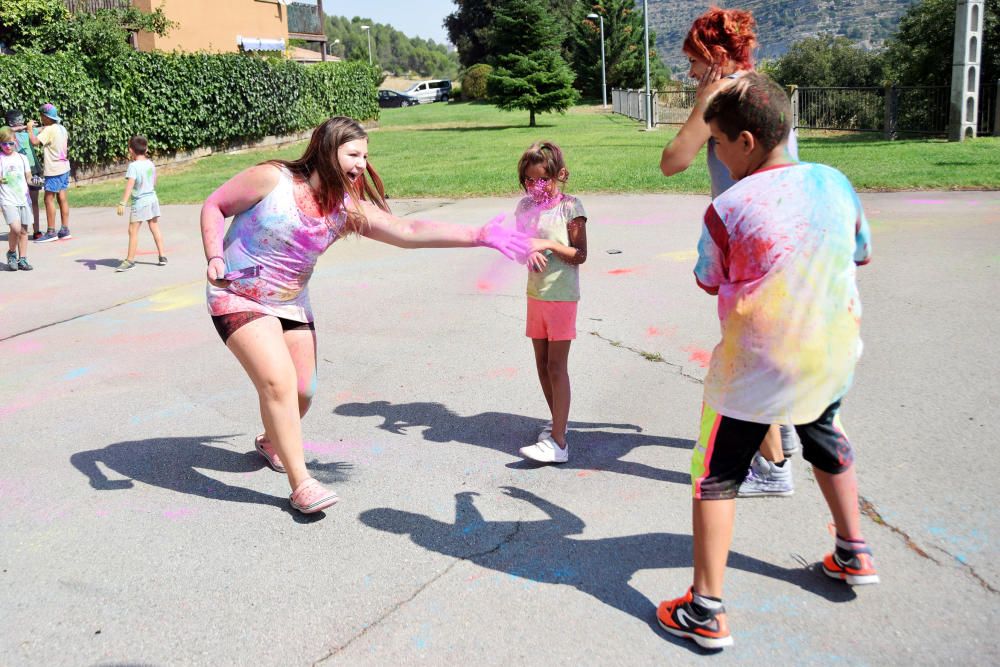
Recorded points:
183,101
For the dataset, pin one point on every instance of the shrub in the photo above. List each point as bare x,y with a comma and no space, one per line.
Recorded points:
183,101
474,82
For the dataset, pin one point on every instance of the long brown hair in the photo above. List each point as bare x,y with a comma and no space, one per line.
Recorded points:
321,158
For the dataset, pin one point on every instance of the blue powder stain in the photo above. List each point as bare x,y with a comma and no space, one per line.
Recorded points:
961,559
76,372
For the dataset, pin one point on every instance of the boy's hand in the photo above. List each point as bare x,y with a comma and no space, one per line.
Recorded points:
121,209
537,262
510,243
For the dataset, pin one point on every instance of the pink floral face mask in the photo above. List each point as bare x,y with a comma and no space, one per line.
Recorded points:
540,190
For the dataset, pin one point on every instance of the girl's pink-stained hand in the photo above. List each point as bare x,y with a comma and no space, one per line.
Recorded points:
215,272
510,243
537,262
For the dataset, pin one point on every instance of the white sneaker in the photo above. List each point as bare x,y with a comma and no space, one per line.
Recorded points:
546,431
546,451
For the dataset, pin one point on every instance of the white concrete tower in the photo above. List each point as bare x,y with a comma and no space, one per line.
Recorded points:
965,69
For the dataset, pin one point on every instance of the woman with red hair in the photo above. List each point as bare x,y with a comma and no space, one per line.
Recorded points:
720,47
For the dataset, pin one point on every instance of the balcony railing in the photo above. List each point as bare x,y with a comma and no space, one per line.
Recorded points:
91,6
305,18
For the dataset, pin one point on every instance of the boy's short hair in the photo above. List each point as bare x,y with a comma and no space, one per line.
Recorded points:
6,134
753,103
138,144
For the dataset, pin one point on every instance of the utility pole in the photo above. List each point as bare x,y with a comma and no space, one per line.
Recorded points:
964,116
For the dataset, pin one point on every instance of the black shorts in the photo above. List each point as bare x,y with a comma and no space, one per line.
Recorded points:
226,325
726,446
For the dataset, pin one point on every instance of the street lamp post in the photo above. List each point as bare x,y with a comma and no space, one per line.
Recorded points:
367,29
645,48
604,83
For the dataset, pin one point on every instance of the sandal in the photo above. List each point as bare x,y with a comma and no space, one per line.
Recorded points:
311,496
265,449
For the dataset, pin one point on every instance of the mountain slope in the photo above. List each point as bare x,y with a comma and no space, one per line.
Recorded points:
780,23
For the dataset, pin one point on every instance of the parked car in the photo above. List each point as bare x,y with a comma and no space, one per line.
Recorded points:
434,90
391,98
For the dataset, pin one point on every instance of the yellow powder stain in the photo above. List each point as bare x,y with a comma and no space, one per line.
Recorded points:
680,255
79,251
175,298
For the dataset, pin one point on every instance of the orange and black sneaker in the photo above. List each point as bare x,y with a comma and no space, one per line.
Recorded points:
851,562
708,629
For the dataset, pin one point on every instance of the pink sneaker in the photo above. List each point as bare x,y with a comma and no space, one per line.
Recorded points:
311,496
265,449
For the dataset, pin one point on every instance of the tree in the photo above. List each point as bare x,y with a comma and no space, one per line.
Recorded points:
920,53
623,54
826,60
469,29
530,73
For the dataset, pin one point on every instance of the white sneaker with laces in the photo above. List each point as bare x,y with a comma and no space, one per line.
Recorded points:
546,451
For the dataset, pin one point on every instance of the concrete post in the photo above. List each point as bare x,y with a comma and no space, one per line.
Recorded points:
965,69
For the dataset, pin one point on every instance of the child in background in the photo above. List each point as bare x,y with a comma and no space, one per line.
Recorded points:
557,223
15,119
15,174
779,248
55,140
145,206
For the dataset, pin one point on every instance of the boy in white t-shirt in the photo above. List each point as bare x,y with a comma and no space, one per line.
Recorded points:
779,248
15,174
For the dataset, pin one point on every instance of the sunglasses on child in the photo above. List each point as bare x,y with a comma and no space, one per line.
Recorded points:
7,143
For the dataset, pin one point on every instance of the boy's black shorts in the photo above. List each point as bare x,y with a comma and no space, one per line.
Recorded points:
726,446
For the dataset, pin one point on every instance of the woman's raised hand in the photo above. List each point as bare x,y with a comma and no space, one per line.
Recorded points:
511,243
711,75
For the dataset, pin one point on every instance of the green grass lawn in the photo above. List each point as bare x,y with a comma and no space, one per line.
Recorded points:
466,150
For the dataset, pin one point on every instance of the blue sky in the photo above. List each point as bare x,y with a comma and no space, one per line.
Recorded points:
414,18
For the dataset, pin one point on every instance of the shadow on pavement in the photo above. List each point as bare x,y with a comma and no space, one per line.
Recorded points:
174,463
504,432
92,264
543,551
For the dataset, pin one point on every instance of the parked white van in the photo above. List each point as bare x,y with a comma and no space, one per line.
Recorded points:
434,90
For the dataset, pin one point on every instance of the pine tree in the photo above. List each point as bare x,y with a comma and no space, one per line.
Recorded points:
530,73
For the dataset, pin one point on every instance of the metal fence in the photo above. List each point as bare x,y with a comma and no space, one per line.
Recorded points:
891,110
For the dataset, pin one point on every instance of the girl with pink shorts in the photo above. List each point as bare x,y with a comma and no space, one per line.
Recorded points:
557,224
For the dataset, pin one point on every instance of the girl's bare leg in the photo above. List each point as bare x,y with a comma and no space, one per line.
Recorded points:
261,349
541,347
558,373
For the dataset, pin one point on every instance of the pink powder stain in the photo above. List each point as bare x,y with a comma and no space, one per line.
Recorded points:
696,354
408,315
653,332
6,410
503,372
500,273
27,346
586,473
326,448
169,251
178,514
621,272
103,513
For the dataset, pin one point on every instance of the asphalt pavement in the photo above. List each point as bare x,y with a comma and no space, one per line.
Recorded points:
138,526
